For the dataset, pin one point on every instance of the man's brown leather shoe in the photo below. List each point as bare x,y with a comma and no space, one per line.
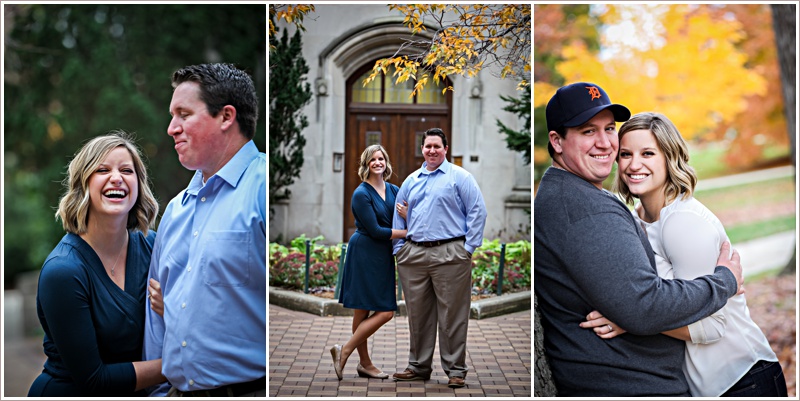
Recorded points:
456,382
408,375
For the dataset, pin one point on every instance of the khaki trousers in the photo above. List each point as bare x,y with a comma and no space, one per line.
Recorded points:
437,284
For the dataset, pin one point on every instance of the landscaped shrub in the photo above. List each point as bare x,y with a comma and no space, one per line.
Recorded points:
288,270
287,265
486,264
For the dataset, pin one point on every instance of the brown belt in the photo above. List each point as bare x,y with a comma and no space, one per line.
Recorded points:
429,244
230,390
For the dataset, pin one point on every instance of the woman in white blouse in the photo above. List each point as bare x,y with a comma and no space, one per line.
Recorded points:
727,354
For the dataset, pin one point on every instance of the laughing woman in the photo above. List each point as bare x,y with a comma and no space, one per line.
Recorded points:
368,279
727,354
92,286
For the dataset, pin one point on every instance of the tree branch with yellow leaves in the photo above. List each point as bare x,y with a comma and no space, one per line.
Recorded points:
291,13
466,39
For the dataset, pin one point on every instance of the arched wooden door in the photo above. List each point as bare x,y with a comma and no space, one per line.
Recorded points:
384,113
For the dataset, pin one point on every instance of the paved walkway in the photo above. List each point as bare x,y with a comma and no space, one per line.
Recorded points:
498,354
767,253
745,178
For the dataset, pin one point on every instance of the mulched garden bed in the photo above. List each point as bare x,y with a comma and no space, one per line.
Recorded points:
771,301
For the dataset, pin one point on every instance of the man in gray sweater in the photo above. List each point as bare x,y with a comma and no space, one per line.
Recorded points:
591,255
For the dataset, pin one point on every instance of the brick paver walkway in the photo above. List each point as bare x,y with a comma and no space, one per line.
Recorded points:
498,354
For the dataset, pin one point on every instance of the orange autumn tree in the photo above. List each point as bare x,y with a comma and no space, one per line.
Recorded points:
685,63
762,128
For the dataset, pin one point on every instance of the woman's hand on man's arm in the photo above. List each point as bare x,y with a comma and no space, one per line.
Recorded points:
607,329
603,327
156,297
402,210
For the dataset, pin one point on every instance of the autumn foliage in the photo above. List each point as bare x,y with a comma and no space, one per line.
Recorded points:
465,40
712,69
762,125
291,13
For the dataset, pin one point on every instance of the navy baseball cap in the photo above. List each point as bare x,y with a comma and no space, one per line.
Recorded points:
573,105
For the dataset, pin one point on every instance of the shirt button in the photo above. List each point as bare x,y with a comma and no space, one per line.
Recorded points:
183,305
203,199
183,344
189,268
191,382
195,233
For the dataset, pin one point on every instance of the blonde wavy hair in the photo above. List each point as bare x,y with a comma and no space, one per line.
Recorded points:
73,208
363,166
681,177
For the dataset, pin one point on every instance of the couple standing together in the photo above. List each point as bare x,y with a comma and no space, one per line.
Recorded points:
432,224
205,331
646,302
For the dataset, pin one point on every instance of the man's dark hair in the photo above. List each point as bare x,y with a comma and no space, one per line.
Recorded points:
221,85
562,132
436,132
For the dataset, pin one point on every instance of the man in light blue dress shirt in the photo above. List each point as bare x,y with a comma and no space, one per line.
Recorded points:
210,253
445,220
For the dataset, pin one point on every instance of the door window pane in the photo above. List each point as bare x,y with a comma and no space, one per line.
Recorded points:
399,93
396,94
370,93
373,138
431,93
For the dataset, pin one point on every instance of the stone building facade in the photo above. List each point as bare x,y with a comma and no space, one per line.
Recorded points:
340,45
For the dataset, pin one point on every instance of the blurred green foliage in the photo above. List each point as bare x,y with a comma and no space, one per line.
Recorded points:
73,72
760,229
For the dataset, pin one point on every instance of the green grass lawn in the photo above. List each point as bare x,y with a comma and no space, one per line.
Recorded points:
746,232
707,160
757,194
750,201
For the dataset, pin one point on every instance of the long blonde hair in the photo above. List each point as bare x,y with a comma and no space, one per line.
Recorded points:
73,208
363,166
681,177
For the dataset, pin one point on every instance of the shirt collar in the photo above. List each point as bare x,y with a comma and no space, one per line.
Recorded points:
231,172
445,168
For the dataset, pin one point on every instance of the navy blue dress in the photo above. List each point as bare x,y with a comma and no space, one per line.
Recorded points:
368,280
93,330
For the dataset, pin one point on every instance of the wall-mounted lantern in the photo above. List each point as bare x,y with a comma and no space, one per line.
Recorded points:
337,162
322,86
476,90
